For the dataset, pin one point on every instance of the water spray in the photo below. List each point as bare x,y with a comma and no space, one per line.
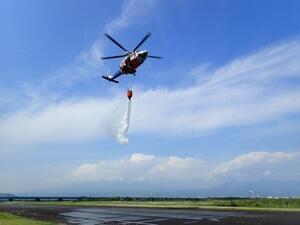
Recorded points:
124,125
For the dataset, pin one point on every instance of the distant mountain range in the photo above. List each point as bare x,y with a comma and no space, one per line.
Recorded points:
136,189
6,195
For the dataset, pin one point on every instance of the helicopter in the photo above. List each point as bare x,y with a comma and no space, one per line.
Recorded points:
133,59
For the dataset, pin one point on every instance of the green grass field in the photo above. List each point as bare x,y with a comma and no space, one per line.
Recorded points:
9,219
262,204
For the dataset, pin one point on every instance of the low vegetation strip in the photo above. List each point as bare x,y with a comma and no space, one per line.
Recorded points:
9,219
281,204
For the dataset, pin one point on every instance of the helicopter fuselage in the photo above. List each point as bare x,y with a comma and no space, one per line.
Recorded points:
133,61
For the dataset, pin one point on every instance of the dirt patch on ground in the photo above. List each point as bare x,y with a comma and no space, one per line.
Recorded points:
40,212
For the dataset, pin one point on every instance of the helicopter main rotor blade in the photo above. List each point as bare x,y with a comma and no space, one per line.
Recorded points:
154,57
113,57
142,41
117,43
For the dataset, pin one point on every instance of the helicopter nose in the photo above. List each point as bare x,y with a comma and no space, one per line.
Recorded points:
144,54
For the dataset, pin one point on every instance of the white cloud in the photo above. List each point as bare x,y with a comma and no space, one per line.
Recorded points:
141,167
253,160
123,169
66,121
132,12
251,89
174,172
273,62
139,157
247,91
193,171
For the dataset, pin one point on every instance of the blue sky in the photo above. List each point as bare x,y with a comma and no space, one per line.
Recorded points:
221,107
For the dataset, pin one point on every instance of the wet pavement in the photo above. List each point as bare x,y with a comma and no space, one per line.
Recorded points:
80,215
95,216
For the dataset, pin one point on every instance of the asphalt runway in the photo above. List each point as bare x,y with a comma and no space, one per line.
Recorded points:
144,216
93,216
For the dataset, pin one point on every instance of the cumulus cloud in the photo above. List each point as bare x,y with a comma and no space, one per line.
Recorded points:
196,171
256,164
141,167
140,157
248,90
171,172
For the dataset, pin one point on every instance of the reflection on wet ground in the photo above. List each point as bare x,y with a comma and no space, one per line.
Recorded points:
95,216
